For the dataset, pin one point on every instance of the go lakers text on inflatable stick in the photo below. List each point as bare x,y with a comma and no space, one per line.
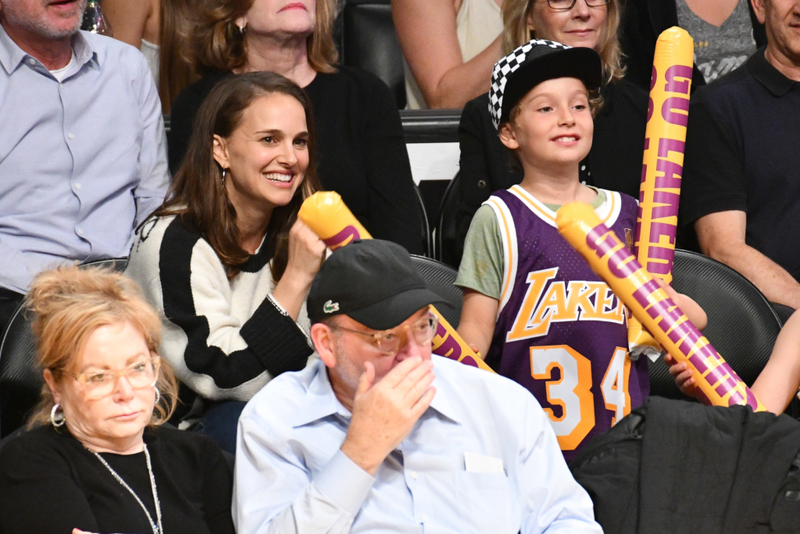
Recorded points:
662,165
651,305
329,218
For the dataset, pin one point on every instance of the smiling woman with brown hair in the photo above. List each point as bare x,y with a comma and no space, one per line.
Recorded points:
226,259
95,457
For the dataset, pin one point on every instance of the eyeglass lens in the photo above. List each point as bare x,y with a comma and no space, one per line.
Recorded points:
139,375
566,5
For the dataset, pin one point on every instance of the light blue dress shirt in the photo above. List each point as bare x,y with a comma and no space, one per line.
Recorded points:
291,476
82,162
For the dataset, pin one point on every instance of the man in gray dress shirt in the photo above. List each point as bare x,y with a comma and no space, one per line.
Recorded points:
82,145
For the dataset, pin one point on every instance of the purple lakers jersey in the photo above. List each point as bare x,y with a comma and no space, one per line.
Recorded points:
561,332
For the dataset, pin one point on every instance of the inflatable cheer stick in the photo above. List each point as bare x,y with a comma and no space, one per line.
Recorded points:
329,218
612,260
662,165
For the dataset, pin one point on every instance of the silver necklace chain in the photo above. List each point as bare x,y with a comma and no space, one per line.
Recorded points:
157,527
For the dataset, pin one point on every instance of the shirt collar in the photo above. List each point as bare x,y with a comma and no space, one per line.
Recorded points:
770,77
11,55
320,400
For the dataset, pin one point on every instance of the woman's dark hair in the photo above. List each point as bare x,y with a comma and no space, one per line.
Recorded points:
198,195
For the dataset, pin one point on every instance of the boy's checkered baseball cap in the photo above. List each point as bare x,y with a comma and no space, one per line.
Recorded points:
533,63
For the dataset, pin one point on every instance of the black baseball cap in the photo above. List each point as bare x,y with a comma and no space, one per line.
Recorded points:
371,281
534,62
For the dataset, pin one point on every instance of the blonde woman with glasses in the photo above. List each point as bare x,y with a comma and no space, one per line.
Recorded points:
615,160
95,458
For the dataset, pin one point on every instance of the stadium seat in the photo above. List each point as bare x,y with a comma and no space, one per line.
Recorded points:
369,42
20,380
440,278
742,325
447,249
423,221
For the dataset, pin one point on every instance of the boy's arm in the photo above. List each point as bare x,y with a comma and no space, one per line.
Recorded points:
780,379
478,320
480,277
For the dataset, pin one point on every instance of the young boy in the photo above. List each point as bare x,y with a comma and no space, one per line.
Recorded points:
532,305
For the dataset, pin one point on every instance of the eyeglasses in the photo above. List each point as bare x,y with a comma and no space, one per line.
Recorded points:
140,375
391,341
566,5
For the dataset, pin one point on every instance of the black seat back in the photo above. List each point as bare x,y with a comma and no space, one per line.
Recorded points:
742,325
440,279
370,43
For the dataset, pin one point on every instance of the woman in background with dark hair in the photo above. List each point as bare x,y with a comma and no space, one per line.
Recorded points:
361,149
225,258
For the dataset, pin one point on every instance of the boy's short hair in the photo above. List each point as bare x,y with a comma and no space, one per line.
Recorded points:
535,62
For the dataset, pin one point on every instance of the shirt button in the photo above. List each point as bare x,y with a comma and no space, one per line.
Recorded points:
77,186
414,475
32,61
70,135
583,167
481,184
424,517
80,232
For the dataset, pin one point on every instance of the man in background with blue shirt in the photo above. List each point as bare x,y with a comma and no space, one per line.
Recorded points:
82,146
377,436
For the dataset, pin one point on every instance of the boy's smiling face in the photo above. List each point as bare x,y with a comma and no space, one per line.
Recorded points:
552,127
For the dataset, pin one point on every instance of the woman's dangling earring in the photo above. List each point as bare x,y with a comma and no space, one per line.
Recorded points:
224,172
243,29
57,419
158,396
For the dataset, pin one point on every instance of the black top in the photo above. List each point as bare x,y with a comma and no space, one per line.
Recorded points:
614,162
361,153
643,22
50,484
741,145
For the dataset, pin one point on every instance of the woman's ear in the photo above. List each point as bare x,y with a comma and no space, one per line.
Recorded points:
507,136
220,151
322,336
51,383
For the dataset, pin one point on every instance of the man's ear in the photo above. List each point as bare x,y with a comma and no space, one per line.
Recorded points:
758,7
507,136
322,336
51,383
220,148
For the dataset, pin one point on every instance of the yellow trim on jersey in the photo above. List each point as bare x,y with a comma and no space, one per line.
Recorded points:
608,211
508,235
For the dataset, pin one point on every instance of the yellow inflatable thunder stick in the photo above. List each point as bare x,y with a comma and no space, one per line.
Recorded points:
329,218
612,260
662,166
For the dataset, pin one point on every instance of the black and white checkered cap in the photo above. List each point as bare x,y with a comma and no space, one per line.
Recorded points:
542,60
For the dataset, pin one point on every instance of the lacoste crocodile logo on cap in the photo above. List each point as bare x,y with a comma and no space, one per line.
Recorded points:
330,307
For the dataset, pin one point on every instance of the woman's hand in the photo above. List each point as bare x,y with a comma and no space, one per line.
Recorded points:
306,251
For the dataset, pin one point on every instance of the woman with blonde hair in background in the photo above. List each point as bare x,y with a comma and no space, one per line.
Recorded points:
615,159
95,457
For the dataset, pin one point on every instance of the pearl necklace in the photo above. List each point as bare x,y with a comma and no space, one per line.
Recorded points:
157,527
